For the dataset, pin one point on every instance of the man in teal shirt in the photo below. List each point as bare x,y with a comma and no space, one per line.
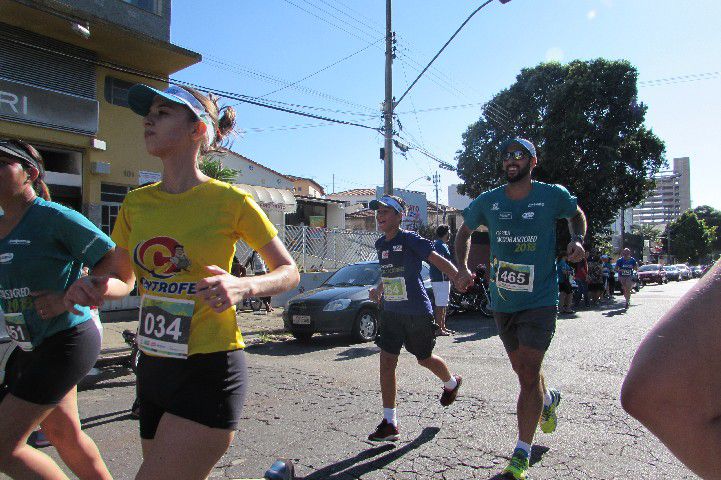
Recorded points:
521,219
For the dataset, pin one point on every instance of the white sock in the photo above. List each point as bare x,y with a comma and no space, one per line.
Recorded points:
389,414
450,384
526,447
547,398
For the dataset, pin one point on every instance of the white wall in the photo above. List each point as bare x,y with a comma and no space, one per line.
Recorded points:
336,216
455,199
252,174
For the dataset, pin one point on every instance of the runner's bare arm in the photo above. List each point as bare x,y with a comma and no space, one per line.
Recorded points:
444,266
464,279
576,226
673,386
220,290
110,279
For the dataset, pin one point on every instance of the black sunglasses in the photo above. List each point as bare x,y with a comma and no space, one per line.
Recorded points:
514,155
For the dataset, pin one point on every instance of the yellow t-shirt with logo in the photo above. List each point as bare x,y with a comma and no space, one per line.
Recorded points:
171,238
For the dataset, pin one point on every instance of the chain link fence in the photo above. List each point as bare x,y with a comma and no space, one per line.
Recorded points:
316,249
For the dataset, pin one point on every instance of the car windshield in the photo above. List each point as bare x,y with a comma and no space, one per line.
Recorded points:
355,275
649,268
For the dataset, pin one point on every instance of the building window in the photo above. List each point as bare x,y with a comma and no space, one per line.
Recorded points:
152,6
111,197
116,91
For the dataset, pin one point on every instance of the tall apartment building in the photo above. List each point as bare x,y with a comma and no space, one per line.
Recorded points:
670,198
65,70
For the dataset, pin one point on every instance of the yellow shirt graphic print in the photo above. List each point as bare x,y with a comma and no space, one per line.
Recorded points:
172,238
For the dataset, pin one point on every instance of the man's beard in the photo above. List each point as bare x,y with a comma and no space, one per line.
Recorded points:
520,174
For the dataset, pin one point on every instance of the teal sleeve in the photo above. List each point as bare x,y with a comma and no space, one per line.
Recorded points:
567,204
81,237
473,216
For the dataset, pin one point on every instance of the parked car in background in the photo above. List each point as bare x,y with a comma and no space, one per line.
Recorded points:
685,271
697,271
652,273
341,304
672,273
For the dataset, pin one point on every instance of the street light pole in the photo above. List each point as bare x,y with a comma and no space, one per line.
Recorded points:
388,108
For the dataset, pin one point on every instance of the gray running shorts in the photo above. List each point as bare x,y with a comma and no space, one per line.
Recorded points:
532,328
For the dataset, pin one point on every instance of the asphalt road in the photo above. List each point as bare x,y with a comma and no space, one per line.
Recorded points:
317,403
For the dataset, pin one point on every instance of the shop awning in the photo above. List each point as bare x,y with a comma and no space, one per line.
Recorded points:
271,199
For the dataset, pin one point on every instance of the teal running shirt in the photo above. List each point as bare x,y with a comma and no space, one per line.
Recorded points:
523,243
45,251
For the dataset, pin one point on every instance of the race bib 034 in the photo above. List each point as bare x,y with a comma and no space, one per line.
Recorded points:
164,327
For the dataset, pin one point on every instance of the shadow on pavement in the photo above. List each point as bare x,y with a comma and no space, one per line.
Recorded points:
613,313
357,352
349,469
281,348
105,418
472,326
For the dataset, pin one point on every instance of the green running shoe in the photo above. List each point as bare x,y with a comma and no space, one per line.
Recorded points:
518,466
548,418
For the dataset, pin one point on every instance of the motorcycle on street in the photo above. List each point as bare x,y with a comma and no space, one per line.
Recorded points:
475,299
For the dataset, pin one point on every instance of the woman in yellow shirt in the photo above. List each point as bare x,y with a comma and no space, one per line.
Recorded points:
179,235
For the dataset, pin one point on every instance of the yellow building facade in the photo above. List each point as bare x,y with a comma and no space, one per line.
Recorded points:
65,68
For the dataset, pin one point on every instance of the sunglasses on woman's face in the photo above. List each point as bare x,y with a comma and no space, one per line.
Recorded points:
514,155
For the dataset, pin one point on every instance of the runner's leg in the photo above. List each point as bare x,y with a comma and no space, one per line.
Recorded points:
18,419
78,451
388,364
526,363
438,366
174,453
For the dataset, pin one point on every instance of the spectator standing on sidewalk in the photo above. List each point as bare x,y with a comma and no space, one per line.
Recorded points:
407,316
581,277
595,279
609,282
256,263
439,281
565,290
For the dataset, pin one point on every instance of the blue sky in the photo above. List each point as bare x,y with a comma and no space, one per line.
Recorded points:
254,47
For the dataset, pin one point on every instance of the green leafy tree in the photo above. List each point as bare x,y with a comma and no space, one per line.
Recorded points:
712,217
690,237
588,126
214,168
647,232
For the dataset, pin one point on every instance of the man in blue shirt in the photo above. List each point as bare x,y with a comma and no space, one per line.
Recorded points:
625,266
406,317
521,219
440,283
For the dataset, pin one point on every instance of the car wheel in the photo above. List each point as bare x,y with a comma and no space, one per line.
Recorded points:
303,337
365,327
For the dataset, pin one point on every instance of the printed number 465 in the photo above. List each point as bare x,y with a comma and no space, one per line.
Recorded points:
513,277
156,326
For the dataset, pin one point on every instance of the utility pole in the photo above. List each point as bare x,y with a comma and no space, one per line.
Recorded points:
436,182
388,107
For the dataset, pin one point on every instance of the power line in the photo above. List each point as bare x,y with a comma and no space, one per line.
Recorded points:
221,93
324,68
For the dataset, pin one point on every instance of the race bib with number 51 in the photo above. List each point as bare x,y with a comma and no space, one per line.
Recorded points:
18,331
514,277
164,327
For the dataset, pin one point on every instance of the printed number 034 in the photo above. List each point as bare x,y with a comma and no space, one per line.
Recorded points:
513,277
156,326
